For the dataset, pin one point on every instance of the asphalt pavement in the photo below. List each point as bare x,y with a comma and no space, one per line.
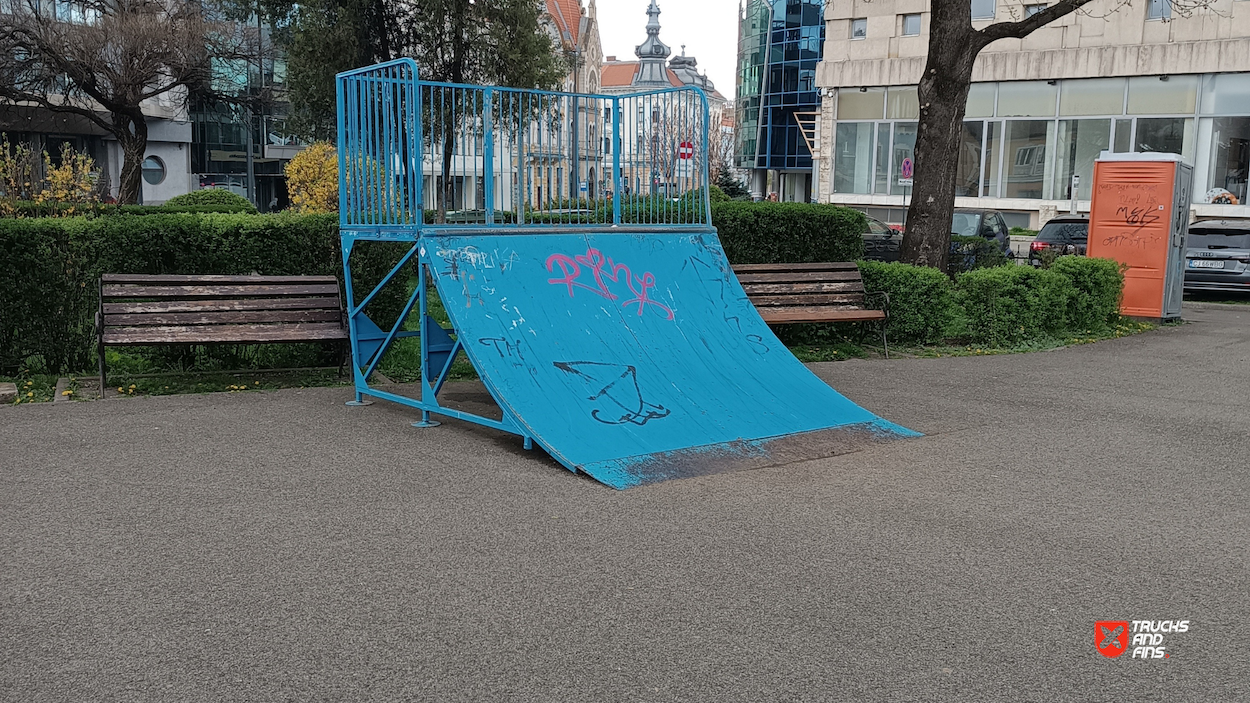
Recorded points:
279,546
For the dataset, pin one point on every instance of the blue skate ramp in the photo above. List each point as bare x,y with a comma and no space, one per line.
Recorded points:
637,358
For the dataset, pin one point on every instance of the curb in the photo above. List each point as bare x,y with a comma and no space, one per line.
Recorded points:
1197,305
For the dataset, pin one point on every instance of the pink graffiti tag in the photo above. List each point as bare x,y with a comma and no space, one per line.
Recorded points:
602,268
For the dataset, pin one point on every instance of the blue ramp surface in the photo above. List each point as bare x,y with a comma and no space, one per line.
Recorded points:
637,358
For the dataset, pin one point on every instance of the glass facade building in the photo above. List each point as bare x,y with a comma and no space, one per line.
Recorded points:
780,42
1025,140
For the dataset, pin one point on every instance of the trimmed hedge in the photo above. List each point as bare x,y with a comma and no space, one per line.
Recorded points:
971,253
1007,305
776,233
48,278
1097,285
27,209
212,196
922,300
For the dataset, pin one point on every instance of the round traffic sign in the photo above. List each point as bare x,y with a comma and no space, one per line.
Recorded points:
906,168
685,150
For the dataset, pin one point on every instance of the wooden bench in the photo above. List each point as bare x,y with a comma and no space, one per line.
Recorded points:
826,292
138,310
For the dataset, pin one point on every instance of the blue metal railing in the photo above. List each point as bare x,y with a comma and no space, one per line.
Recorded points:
415,153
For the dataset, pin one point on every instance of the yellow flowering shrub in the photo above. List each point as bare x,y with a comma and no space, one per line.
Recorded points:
71,182
312,179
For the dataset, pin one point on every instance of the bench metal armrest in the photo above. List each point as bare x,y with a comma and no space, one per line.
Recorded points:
885,298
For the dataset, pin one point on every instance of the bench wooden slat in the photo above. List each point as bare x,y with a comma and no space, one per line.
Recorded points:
326,303
825,266
799,277
114,291
846,300
170,278
753,289
818,314
224,334
229,317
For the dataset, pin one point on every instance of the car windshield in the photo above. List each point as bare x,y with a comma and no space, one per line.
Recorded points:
1219,239
966,224
875,227
1063,232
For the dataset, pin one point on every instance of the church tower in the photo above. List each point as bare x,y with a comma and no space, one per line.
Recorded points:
652,54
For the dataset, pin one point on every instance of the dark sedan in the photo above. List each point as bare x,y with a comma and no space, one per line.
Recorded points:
881,242
1065,234
1217,256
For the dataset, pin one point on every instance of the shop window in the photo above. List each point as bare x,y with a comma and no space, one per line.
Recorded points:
993,137
1026,99
981,100
1025,175
904,149
1097,96
856,104
1123,136
1226,93
1077,145
1162,95
852,157
1168,135
902,103
1230,161
968,165
881,183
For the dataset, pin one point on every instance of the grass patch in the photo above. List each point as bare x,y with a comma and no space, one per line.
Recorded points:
1123,328
32,388
175,384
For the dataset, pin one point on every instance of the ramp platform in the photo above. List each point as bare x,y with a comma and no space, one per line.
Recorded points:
584,282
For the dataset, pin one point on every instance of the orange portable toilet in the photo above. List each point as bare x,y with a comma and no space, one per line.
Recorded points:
1140,217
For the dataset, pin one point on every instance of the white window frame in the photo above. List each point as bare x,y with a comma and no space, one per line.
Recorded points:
992,10
860,22
1159,10
903,24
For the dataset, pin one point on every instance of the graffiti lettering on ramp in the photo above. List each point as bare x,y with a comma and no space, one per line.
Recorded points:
614,391
603,269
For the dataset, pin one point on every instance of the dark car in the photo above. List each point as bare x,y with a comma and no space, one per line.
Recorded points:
881,242
1065,234
982,223
1217,256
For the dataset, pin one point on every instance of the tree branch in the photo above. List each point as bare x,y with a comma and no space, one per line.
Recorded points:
1024,27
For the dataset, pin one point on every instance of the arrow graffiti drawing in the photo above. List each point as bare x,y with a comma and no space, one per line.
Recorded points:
614,389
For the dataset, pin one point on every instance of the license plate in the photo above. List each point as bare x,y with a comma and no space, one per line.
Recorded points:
1205,264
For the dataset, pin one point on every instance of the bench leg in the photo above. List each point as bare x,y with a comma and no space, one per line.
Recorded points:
103,370
884,344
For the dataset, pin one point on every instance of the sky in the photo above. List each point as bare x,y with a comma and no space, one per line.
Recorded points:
708,28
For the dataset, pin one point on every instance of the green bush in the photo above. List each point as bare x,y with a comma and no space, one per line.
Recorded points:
775,233
717,195
1096,287
1007,305
212,196
922,300
31,209
48,278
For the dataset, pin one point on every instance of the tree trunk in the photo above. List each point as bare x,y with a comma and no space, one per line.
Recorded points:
943,91
132,135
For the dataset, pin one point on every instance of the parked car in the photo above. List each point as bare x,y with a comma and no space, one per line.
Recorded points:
1217,256
1065,234
881,241
982,223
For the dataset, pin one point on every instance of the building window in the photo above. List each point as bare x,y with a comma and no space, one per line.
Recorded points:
1078,144
607,145
982,9
153,170
852,158
859,28
904,150
1030,10
1159,9
911,25
1230,161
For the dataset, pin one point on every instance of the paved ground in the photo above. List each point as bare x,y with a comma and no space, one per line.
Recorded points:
280,546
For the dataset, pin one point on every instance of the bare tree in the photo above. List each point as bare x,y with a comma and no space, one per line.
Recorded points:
106,60
953,48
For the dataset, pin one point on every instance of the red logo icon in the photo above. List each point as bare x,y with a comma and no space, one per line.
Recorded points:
1111,637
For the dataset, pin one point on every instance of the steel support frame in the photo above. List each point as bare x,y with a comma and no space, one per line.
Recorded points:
433,375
